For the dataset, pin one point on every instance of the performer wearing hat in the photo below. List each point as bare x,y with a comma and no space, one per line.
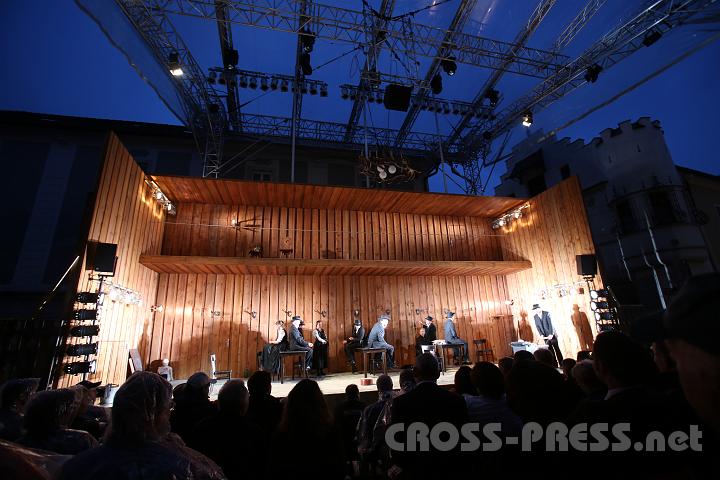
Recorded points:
298,343
430,330
452,338
376,339
545,328
353,342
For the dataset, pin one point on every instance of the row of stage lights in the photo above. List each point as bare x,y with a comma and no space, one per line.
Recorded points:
603,307
161,198
265,81
509,217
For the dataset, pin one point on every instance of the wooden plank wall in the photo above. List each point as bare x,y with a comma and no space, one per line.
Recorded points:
553,230
187,331
125,213
203,229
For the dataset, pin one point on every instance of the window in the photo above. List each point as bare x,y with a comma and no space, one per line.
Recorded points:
626,221
663,211
565,171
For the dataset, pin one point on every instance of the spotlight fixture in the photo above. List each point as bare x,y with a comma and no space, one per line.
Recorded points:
157,308
76,368
212,78
604,316
243,81
84,331
81,349
264,84
527,119
305,64
383,174
307,40
493,96
323,90
273,83
592,73
231,58
509,217
392,169
595,294
344,94
87,297
284,86
436,84
651,37
449,65
313,89
252,83
174,64
85,314
599,305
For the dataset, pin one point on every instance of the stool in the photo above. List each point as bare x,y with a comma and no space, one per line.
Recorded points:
291,353
483,353
373,351
443,354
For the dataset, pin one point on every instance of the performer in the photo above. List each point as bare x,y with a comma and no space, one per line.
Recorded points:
420,340
320,354
353,342
298,343
545,328
270,360
452,338
376,339
430,330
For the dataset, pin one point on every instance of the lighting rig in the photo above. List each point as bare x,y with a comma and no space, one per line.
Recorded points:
509,217
604,307
161,198
386,167
265,81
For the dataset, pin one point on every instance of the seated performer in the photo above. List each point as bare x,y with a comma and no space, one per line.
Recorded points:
270,360
421,340
353,342
320,355
298,343
376,339
452,338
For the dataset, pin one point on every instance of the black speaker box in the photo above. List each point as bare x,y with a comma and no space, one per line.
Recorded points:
101,257
586,265
397,97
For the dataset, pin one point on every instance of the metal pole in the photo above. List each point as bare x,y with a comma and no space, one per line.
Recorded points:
442,156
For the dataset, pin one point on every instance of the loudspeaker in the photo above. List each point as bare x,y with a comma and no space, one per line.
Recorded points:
101,257
586,265
397,97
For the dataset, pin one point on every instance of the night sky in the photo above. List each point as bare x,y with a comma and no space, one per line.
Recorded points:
55,59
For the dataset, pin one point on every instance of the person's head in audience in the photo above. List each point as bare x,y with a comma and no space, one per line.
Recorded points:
661,355
583,355
407,380
523,355
233,398
463,383
505,364
93,389
141,410
198,387
50,411
692,332
426,368
352,392
260,383
584,375
543,355
567,366
84,398
305,410
15,394
488,380
621,362
535,392
384,385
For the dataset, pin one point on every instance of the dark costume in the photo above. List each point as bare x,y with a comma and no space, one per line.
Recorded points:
320,354
544,325
353,342
270,359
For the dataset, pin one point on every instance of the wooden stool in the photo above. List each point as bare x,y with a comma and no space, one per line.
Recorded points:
373,351
482,352
291,353
443,353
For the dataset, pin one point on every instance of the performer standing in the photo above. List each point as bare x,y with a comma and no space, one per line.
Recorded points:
353,342
270,360
376,339
452,338
298,343
320,355
545,328
430,330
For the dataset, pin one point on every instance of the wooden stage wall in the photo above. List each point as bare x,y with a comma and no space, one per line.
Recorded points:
125,213
553,230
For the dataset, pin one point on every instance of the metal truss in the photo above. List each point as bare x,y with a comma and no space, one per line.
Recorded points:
227,50
661,16
344,25
203,109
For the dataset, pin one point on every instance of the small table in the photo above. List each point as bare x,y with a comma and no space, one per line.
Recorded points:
292,353
443,352
373,351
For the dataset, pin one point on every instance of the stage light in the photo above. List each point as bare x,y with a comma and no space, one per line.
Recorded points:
455,109
383,174
493,96
313,89
380,168
344,94
527,119
252,83
604,316
231,58
378,97
76,368
307,40
392,169
243,81
323,90
81,349
436,84
595,294
157,308
273,83
87,297
424,105
85,314
592,73
303,88
602,305
449,65
221,79
284,86
212,78
370,97
651,37
264,84
305,64
501,222
174,64
445,108
84,331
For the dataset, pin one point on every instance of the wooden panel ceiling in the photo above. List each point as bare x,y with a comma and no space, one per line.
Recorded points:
290,266
265,194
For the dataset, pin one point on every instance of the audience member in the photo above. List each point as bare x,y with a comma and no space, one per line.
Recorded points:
583,355
407,380
535,392
229,439
47,418
505,364
137,444
86,419
544,355
463,384
307,425
347,415
375,419
567,366
14,395
191,406
584,375
522,355
490,404
264,410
